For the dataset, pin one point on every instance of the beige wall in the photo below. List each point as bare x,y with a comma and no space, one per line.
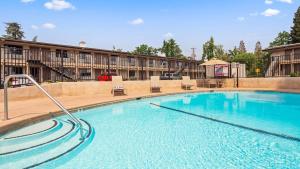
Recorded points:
278,53
85,88
273,83
104,88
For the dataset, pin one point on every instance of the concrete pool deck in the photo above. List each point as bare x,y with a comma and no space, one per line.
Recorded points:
24,111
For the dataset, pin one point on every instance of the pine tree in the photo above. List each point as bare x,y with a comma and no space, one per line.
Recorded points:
14,31
258,49
242,47
295,32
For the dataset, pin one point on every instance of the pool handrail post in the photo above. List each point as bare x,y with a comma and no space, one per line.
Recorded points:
45,92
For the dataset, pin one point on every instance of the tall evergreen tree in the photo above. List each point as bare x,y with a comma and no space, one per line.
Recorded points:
295,32
14,31
242,47
209,49
258,49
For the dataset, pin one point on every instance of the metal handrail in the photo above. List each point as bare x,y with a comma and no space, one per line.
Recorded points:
7,79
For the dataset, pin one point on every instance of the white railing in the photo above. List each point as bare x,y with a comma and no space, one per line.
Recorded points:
8,78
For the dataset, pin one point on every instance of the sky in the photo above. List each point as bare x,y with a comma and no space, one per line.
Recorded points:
126,24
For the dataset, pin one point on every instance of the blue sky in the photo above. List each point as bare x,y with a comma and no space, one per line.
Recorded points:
126,24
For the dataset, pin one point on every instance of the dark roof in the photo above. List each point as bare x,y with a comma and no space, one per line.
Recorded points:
80,48
283,47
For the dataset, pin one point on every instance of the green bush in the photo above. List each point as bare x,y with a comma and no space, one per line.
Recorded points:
296,74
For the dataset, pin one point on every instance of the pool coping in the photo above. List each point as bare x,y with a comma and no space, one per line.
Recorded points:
46,116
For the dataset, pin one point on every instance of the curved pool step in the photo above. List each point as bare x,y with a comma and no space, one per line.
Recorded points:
16,148
31,130
49,154
14,138
69,153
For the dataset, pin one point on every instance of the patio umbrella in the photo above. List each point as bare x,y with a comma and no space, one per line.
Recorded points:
214,61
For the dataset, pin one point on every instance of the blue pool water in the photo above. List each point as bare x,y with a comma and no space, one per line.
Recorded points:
137,134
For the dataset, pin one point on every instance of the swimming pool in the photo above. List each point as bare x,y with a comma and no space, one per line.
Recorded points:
201,130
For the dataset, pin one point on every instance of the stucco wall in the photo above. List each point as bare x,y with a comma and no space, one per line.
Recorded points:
85,88
273,83
104,88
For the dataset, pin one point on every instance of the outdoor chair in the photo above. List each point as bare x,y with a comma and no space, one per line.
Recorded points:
154,84
117,86
186,83
220,83
212,83
201,83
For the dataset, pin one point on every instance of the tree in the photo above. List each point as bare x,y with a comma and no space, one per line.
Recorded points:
209,49
144,49
258,49
14,31
220,53
248,59
234,52
242,47
295,32
34,39
171,49
283,38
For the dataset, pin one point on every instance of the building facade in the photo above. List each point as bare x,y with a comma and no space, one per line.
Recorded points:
55,62
284,61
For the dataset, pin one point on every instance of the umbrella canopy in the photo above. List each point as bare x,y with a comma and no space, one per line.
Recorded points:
215,61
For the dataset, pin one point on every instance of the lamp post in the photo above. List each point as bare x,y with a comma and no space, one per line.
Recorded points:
237,74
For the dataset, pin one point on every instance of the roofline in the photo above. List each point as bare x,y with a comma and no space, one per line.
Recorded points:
289,46
88,48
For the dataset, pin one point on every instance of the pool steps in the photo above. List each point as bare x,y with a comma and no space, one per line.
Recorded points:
11,140
45,147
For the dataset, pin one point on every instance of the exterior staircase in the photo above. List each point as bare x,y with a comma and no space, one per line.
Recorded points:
38,62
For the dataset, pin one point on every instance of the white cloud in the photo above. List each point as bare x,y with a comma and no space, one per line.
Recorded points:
58,5
168,35
49,26
270,12
27,1
137,21
286,1
268,2
241,19
35,27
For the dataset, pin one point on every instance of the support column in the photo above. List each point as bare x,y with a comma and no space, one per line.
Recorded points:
76,65
292,61
41,74
27,68
108,64
92,66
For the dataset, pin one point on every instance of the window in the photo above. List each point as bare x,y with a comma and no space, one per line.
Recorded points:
17,70
13,49
131,61
62,53
84,57
85,72
131,73
151,62
113,60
